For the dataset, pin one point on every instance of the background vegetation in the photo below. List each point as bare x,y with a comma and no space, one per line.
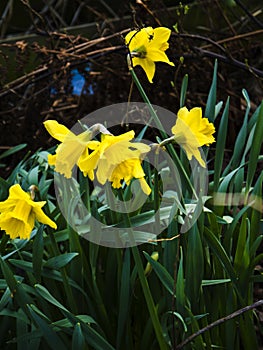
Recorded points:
64,59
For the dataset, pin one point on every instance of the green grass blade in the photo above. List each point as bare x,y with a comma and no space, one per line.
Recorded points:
13,150
242,259
211,100
163,275
149,300
57,262
125,294
255,149
221,254
78,340
220,145
183,90
180,288
51,337
21,328
4,187
45,294
194,267
37,253
241,139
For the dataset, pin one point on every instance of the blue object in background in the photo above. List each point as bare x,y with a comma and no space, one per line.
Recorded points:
78,82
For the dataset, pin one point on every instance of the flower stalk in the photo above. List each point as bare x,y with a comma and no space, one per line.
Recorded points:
149,299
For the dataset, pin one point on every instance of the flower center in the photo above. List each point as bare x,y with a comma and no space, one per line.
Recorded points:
140,52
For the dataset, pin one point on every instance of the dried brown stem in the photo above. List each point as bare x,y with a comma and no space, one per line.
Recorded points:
218,322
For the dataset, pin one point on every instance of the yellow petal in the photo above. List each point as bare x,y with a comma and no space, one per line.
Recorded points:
158,56
52,159
42,217
88,162
16,192
22,210
56,130
16,228
193,152
200,127
149,67
7,205
161,34
145,187
130,36
183,114
69,152
113,139
137,39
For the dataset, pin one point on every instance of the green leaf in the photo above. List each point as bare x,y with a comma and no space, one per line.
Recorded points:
44,293
21,328
5,299
255,149
37,253
8,275
57,262
256,214
13,150
18,245
4,187
194,267
242,260
51,337
227,179
16,314
176,315
211,100
32,176
220,145
183,90
125,294
180,288
65,323
220,252
241,139
78,340
91,336
206,283
163,275
248,331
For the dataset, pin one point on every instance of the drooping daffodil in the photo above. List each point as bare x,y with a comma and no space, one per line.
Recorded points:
147,46
191,132
19,212
116,159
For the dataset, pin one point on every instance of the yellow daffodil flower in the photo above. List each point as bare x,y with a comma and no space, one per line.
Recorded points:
148,46
191,131
116,159
127,170
90,162
71,150
19,212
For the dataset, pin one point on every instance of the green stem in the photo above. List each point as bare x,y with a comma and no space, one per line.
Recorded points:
64,276
145,287
146,100
162,132
149,299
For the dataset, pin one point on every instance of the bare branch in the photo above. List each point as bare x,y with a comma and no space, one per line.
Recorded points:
218,322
